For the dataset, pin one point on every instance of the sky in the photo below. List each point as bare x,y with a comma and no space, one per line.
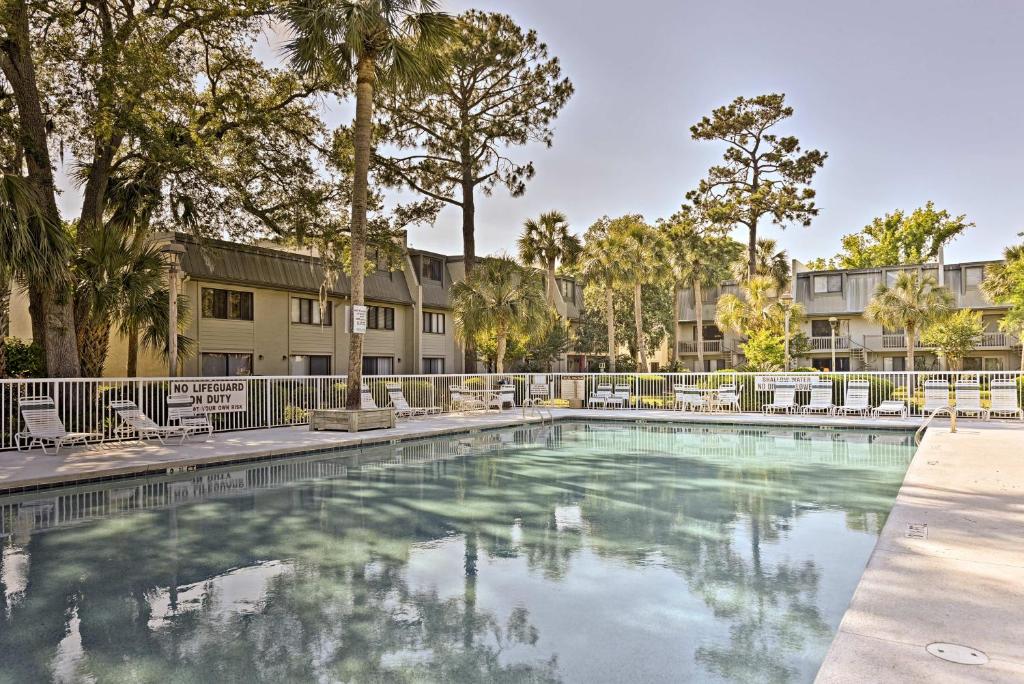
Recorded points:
913,100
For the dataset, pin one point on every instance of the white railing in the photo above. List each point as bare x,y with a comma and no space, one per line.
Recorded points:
710,347
274,401
895,341
990,340
824,343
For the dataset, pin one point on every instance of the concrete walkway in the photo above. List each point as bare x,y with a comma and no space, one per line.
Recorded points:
949,567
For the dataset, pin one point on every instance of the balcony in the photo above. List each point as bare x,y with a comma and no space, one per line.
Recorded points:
897,342
824,344
710,347
997,340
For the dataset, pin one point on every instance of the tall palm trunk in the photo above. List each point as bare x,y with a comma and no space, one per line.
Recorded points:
675,324
363,129
910,334
17,64
639,322
552,283
609,318
698,310
499,354
93,339
133,351
5,318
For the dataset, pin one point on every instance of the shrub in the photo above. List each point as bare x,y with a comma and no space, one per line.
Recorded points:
24,359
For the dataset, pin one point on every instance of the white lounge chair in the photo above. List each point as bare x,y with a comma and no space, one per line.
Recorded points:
821,398
936,396
856,400
688,398
463,400
136,423
402,408
506,397
366,400
968,400
181,410
600,396
1006,399
891,407
728,398
43,426
784,398
620,397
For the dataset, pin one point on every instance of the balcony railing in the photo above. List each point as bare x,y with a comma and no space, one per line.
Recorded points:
842,343
993,340
710,347
886,342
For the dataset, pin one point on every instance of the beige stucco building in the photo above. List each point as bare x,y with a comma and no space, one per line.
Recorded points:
859,343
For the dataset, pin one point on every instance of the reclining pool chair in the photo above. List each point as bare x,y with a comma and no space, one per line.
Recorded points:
43,426
401,405
968,399
1006,399
821,398
857,400
784,398
936,396
135,422
181,410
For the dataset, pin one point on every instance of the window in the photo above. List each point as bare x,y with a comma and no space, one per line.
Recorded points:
380,318
568,290
378,365
218,365
828,284
973,276
307,311
895,363
227,304
433,366
821,328
710,332
433,323
309,365
433,269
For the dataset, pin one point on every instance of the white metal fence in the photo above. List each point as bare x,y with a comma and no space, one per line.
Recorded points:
274,401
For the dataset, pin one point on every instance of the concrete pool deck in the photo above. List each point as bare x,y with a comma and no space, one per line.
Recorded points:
956,575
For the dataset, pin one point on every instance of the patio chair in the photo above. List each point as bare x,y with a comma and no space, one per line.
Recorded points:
968,399
688,398
821,398
463,400
1006,399
366,400
506,397
728,398
44,426
856,400
936,396
784,398
181,409
402,408
135,422
891,407
620,397
600,396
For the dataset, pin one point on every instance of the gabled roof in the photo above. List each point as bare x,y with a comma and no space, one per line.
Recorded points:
234,263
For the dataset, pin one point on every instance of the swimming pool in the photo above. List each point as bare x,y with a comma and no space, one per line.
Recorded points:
572,552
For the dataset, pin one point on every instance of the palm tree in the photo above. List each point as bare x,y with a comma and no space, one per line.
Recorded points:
499,297
601,268
387,43
642,253
757,309
911,304
546,242
1003,279
769,261
699,260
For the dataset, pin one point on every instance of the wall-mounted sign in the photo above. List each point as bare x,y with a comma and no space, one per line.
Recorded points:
214,396
359,319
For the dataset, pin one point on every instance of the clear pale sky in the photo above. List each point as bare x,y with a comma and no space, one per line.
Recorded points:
912,99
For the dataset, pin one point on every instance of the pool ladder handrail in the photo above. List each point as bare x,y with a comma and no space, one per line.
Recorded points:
950,410
540,411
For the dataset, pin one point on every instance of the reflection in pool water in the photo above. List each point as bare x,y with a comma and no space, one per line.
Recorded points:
580,553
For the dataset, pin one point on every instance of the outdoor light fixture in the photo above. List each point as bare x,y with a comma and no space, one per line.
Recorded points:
172,251
833,323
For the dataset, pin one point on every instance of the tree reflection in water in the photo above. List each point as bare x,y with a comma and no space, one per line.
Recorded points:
344,569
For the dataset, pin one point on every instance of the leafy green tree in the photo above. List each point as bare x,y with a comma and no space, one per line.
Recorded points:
547,242
643,254
756,308
900,238
765,351
764,174
955,336
394,44
499,298
602,271
502,90
1004,284
913,303
699,259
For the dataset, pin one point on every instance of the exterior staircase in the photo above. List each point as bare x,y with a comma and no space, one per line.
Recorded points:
859,357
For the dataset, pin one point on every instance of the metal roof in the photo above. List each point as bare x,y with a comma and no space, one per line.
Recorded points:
231,262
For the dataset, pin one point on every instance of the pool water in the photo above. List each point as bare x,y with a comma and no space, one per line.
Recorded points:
573,552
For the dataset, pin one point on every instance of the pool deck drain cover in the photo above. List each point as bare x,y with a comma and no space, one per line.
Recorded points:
957,653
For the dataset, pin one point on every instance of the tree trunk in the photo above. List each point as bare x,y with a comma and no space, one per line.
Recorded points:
638,319
132,339
552,284
363,130
609,314
909,334
37,313
468,237
499,354
93,339
20,71
698,309
675,325
5,318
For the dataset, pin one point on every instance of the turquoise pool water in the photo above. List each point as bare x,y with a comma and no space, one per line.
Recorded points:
575,553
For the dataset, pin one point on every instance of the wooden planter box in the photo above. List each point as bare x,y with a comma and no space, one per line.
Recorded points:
351,421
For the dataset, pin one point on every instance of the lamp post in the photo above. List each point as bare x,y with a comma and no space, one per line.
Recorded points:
787,306
173,252
833,323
